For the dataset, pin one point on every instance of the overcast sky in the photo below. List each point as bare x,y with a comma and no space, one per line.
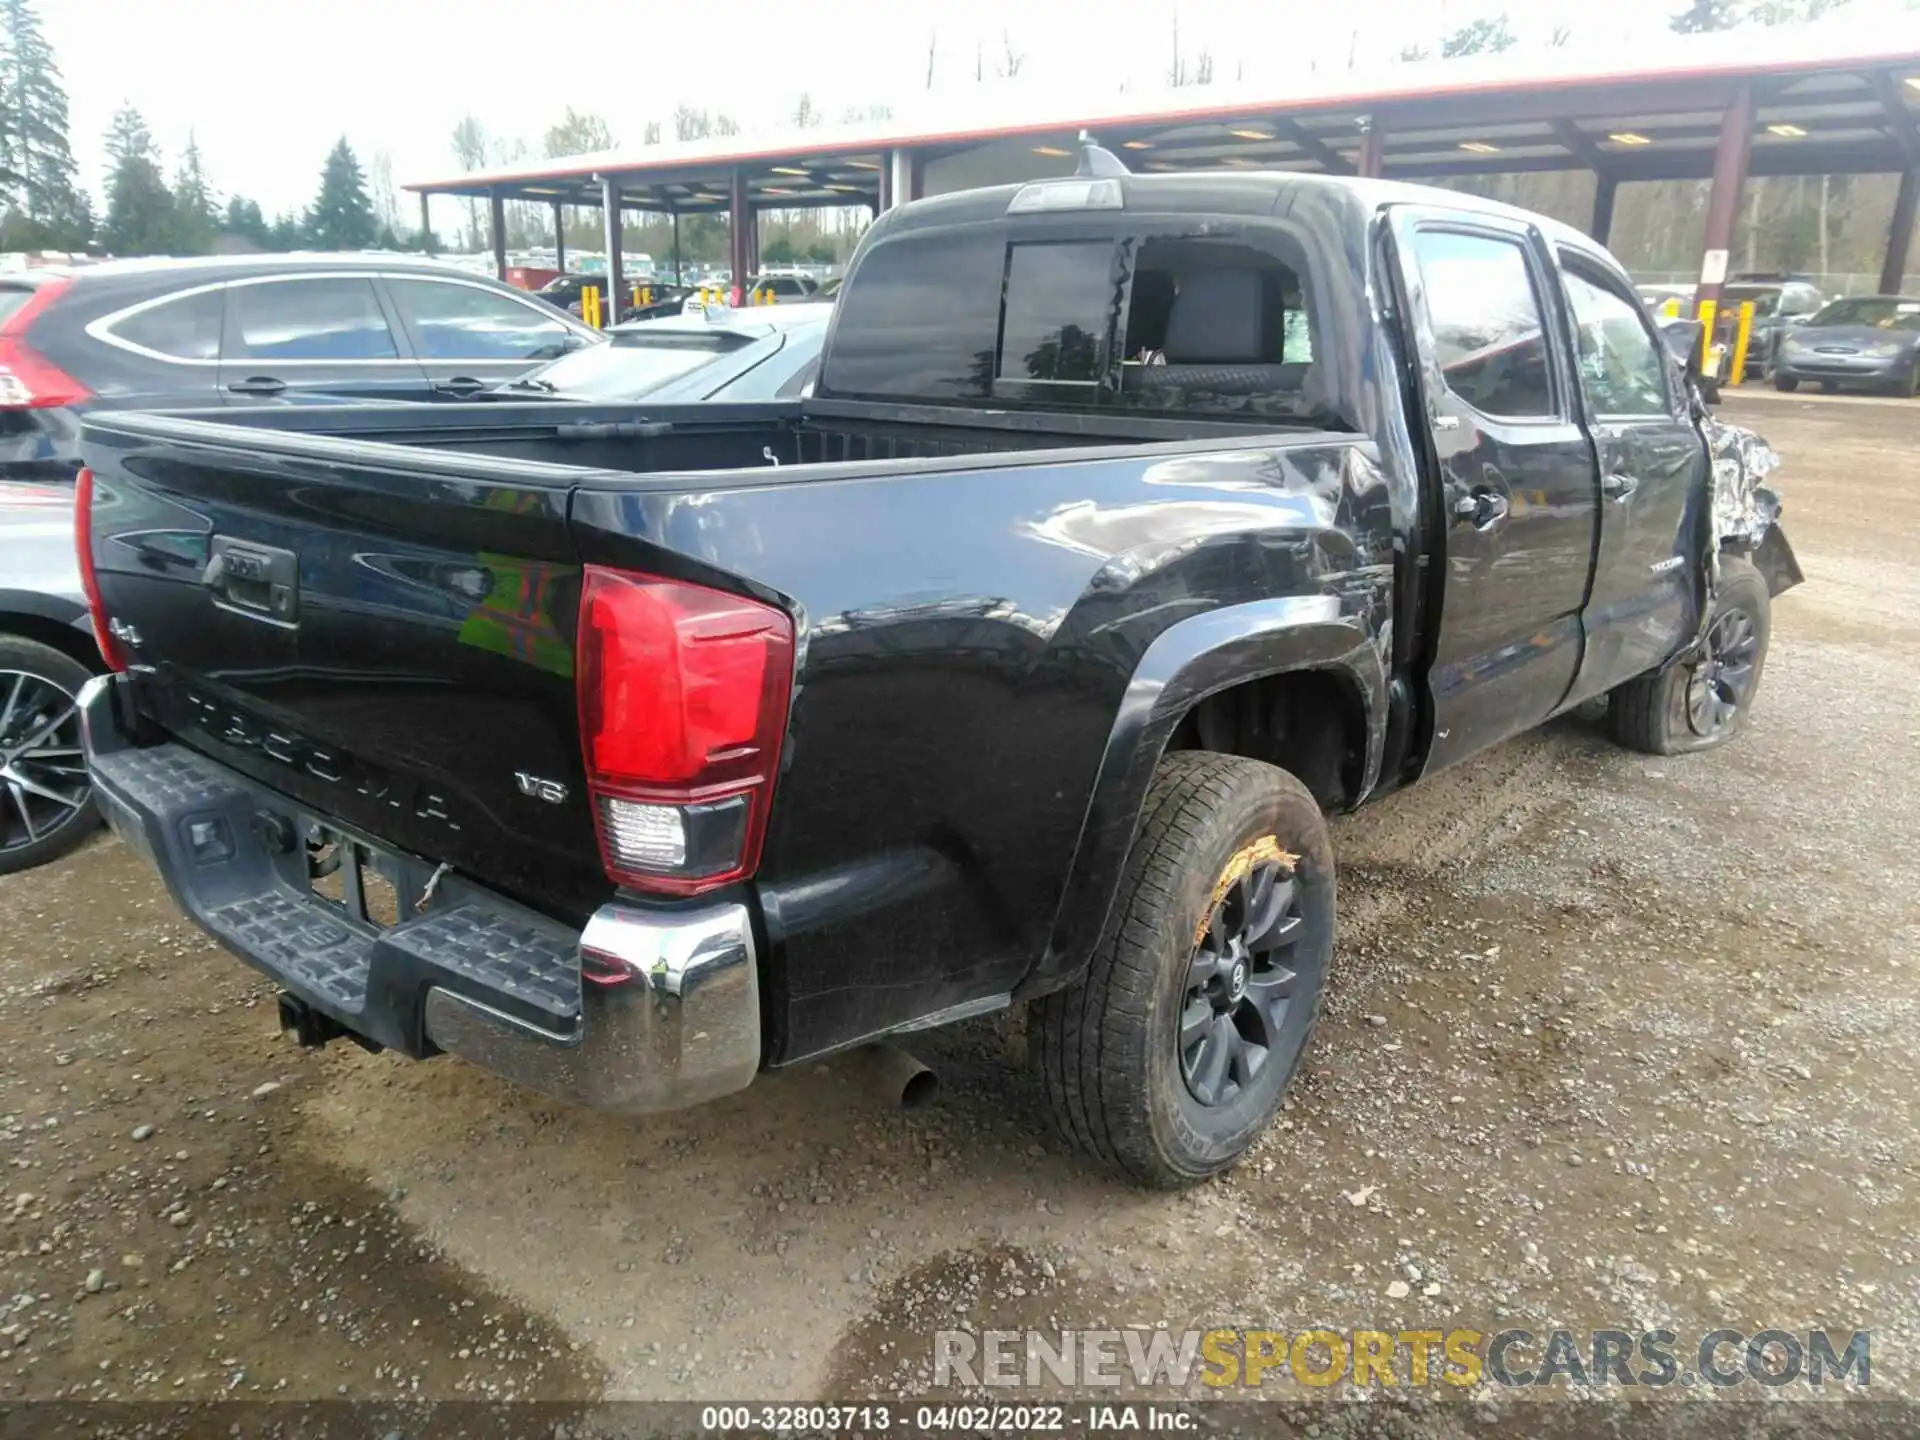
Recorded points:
268,87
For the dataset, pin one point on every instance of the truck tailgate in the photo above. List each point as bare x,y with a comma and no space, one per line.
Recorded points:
390,643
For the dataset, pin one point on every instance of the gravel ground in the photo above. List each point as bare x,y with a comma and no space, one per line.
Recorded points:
1612,1041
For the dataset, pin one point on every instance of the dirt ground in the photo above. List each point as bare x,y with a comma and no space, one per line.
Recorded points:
1612,1041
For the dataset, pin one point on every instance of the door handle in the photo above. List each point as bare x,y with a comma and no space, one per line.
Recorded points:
258,385
1618,487
1483,509
460,385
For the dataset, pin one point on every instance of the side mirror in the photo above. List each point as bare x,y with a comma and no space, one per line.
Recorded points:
1682,338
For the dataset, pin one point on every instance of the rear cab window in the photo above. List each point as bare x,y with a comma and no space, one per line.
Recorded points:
1152,315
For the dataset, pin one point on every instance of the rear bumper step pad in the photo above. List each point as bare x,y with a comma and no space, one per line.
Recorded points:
671,1016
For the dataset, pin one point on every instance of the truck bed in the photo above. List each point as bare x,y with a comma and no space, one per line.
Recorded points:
413,675
667,440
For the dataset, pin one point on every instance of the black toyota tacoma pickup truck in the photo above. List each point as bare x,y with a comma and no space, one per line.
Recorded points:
1136,523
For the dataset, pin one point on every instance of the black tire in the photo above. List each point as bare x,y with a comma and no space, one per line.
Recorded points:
1829,387
38,687
1692,704
1112,1052
1788,383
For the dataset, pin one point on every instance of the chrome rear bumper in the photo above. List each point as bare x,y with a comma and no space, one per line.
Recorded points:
643,1010
676,1022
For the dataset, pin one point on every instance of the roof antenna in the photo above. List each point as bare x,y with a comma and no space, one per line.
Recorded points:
1096,163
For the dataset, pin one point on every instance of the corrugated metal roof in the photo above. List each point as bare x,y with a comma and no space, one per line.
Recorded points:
1441,96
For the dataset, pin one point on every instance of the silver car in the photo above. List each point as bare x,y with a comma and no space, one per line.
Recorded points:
1864,340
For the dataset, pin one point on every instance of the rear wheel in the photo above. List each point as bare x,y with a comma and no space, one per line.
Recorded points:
1829,387
1788,383
1702,699
1172,1055
46,802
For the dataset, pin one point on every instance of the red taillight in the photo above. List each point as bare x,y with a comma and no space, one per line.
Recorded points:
89,581
27,378
683,702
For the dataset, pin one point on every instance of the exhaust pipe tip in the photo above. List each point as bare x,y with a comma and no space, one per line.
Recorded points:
897,1079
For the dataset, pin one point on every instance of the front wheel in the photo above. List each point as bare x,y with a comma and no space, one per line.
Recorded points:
1788,383
46,801
1701,699
1168,1060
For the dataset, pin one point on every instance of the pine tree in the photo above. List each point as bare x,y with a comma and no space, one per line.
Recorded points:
1704,15
287,233
140,214
342,215
33,133
197,218
1486,36
245,222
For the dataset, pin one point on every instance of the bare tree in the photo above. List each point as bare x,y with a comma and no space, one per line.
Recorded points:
470,149
386,200
1010,59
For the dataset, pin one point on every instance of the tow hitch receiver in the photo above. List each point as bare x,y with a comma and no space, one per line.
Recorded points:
312,1028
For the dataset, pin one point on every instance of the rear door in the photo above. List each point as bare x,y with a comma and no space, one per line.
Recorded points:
471,337
1517,477
314,337
1652,474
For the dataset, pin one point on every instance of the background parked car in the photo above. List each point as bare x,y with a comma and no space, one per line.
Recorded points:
1778,303
173,333
754,354
46,654
769,290
1863,340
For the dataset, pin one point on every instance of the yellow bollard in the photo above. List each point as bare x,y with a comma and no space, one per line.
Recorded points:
1706,314
1671,309
1743,334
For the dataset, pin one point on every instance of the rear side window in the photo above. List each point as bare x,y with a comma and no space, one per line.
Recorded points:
184,328
1488,335
335,318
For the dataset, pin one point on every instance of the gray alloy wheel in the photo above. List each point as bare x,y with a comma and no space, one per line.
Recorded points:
1723,679
1240,985
46,801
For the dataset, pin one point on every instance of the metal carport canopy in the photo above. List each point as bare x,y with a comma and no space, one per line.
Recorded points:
1830,98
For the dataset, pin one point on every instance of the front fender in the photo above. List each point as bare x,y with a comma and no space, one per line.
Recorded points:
1186,663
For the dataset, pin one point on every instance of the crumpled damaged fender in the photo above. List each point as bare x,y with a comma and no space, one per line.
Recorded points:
1746,512
1743,508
